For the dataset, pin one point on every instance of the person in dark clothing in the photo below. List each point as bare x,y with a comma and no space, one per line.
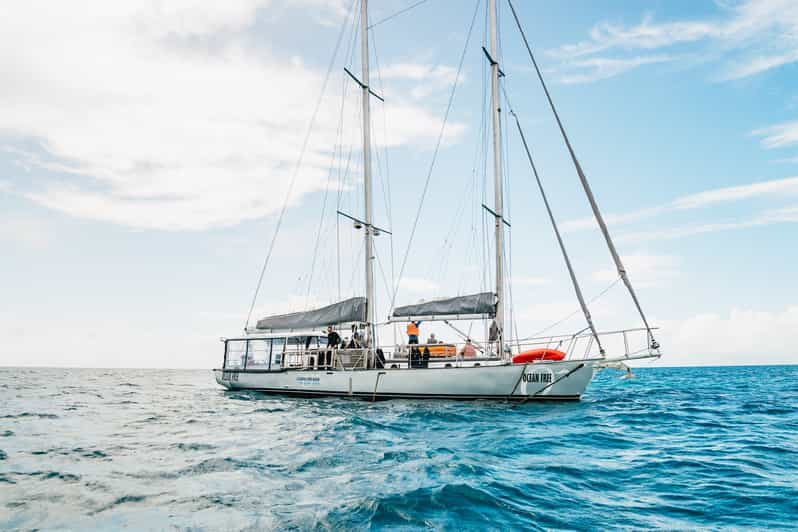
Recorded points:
357,338
333,341
415,356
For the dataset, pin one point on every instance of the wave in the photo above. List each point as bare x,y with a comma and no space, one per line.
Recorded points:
30,414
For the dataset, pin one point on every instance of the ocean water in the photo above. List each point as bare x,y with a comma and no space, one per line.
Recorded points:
153,449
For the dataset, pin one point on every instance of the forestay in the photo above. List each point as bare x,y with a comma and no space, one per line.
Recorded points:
350,310
483,304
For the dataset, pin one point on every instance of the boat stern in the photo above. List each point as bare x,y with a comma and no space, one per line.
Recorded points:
225,378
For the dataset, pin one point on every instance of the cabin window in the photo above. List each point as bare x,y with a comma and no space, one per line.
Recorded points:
278,346
258,353
235,353
296,344
312,342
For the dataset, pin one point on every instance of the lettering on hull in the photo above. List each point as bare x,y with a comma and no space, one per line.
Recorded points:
308,381
543,378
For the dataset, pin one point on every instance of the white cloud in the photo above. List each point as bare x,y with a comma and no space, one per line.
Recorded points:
779,135
644,270
27,231
776,188
417,285
521,280
758,64
426,79
164,115
645,36
598,68
773,216
738,336
419,72
753,35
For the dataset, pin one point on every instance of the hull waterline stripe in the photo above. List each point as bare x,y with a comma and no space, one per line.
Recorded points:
398,395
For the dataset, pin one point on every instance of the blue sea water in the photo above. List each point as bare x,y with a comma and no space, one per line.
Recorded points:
162,449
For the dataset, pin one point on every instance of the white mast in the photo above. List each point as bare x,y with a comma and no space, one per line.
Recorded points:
497,172
368,228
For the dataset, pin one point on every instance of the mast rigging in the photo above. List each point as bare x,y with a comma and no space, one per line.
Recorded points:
586,186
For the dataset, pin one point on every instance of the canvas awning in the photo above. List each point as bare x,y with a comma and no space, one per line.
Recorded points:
471,305
350,310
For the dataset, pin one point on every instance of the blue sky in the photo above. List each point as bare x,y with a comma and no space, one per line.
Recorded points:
146,150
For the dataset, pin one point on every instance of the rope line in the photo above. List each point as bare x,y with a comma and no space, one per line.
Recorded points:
572,314
560,242
585,185
400,12
327,187
298,165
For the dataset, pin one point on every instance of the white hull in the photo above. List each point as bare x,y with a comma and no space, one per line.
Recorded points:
566,380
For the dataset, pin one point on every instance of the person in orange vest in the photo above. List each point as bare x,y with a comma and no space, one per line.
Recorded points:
412,332
468,351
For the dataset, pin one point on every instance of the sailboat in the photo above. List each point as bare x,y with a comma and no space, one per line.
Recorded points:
289,354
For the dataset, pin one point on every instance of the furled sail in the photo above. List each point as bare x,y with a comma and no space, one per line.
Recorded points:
474,304
350,310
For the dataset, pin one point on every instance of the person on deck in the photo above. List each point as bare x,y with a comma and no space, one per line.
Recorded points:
432,340
412,332
468,351
357,338
333,341
493,335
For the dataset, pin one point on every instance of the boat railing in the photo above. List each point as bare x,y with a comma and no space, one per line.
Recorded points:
419,354
277,355
582,344
330,358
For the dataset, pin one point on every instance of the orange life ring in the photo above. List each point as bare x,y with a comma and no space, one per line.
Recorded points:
538,354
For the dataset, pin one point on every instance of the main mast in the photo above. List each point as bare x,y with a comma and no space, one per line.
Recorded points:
497,172
368,228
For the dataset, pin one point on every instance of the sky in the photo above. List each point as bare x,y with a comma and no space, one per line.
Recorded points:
148,149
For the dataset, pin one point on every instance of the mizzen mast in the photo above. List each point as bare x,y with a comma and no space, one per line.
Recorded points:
368,229
497,172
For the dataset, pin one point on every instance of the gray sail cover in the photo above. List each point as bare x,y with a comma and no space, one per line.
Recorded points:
484,303
350,310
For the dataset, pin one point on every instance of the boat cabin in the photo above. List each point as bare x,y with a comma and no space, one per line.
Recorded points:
289,350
